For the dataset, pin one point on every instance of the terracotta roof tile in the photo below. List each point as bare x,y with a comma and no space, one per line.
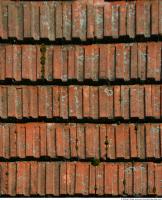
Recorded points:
81,141
70,20
76,178
96,63
127,62
126,102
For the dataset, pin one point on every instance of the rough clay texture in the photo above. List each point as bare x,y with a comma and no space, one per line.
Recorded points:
81,98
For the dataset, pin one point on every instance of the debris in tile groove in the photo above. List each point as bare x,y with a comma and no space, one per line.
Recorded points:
95,162
43,60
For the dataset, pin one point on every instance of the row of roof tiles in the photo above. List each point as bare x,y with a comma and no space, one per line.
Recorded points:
140,61
81,1
68,20
109,102
135,61
81,141
85,1
75,178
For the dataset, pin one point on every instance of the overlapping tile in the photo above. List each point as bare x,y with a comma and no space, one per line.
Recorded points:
81,102
127,62
76,178
81,141
70,20
52,44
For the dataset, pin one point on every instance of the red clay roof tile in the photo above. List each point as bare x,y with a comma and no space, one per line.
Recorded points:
76,178
109,20
81,141
127,62
96,102
98,158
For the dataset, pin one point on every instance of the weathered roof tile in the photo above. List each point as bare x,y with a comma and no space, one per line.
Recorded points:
124,62
61,102
108,19
112,91
77,141
51,178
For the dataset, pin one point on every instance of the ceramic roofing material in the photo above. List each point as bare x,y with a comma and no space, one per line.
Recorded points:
81,141
93,62
86,1
76,178
96,102
69,20
127,62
